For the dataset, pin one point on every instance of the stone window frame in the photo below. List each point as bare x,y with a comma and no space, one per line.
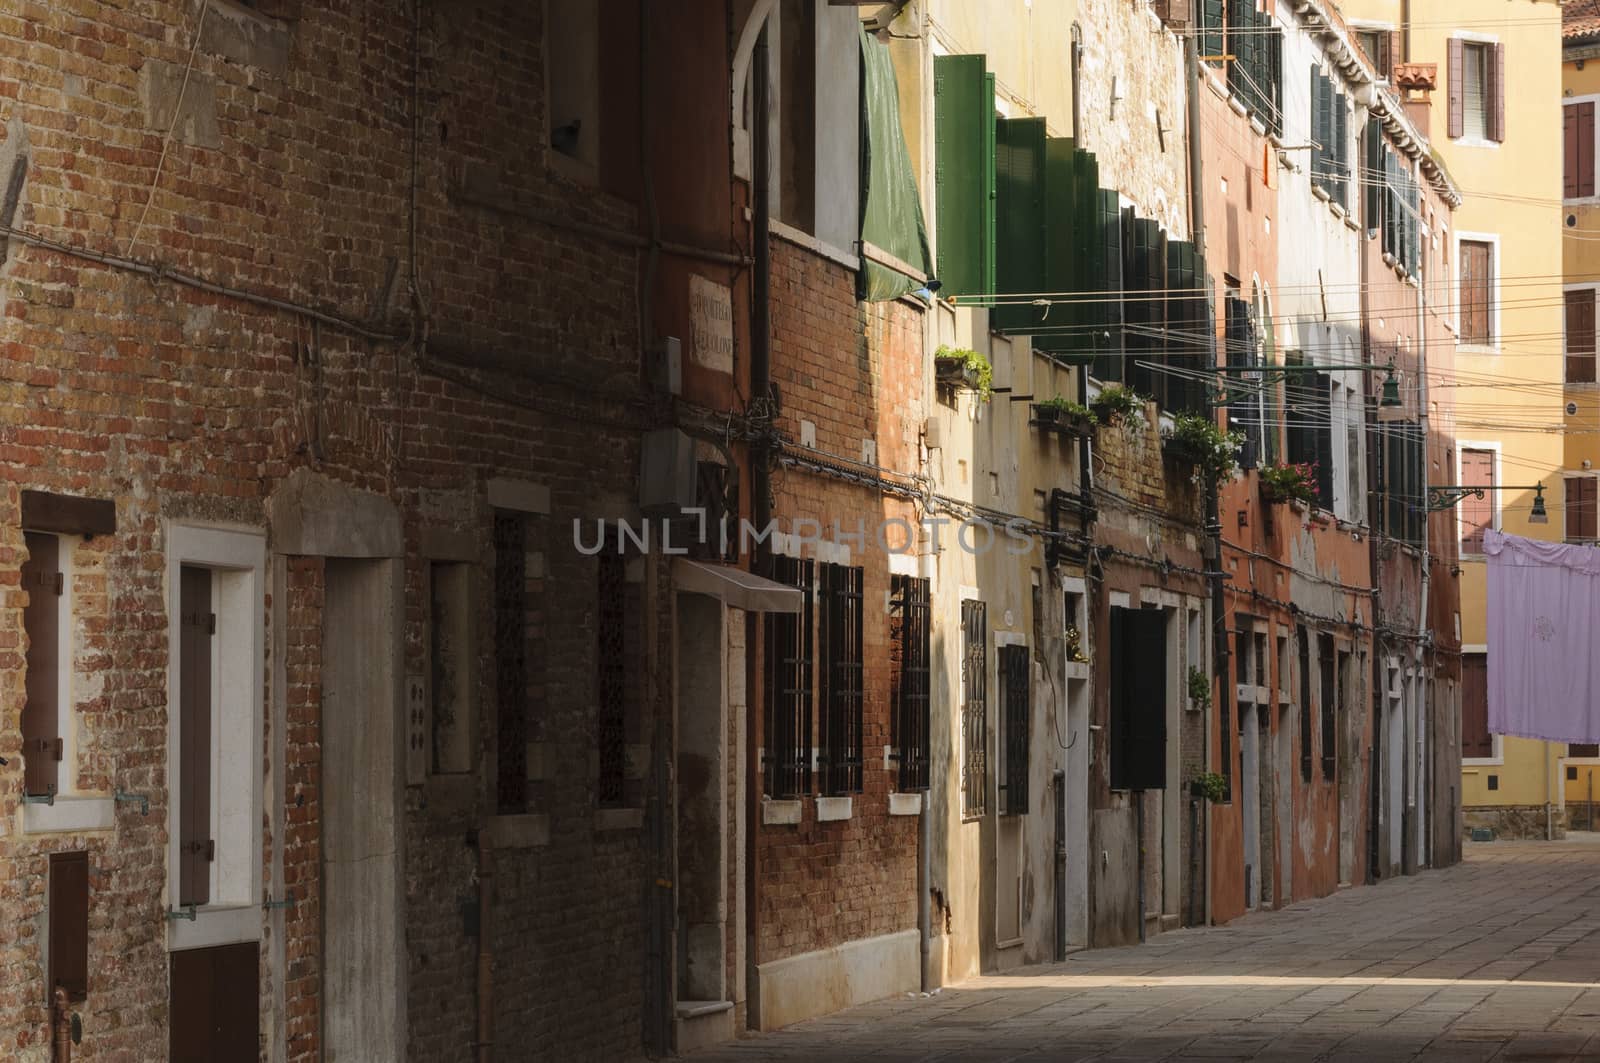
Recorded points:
237,558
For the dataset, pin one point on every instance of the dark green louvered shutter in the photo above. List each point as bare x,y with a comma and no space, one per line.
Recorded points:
1183,346
1070,177
1372,166
963,122
1147,309
1107,336
1211,41
1341,148
1019,174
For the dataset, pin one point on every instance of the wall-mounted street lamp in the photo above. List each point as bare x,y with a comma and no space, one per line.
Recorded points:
1447,496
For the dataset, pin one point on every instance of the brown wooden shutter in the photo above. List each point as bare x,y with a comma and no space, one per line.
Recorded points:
215,1004
69,923
1580,337
195,845
1475,292
41,708
1475,738
1580,508
1457,74
1494,106
1577,149
1586,149
1477,470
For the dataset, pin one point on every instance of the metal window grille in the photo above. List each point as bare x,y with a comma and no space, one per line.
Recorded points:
611,661
511,660
787,759
1330,745
840,678
909,629
1305,703
974,709
1013,788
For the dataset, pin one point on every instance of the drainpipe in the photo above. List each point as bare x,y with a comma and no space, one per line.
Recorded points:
1059,785
1420,654
1213,528
485,1045
924,882
760,485
1379,644
61,1027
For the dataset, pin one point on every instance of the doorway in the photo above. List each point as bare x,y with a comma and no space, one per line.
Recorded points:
363,960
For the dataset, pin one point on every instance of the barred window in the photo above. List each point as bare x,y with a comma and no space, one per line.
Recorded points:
840,679
1305,703
788,650
1013,783
974,710
909,645
1330,747
511,660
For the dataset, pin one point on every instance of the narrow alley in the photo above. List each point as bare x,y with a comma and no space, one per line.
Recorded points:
1496,958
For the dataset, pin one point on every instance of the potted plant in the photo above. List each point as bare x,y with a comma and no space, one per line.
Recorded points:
1199,689
963,367
1062,415
1116,402
1211,786
1296,482
1198,441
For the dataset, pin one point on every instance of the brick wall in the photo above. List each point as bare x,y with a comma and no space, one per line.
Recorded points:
290,176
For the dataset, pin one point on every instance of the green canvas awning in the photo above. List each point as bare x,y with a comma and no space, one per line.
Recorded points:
891,209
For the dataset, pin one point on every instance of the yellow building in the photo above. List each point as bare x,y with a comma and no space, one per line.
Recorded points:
1580,260
1494,61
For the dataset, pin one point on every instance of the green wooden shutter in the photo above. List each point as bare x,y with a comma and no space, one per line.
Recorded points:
1371,166
1070,177
1211,42
1019,219
963,122
1341,148
1107,337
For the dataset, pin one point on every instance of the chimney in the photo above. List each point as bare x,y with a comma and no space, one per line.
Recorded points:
1416,82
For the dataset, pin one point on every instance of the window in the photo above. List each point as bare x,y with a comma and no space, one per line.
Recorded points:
815,160
1304,644
511,660
43,621
1330,132
1310,431
618,653
1399,207
1580,509
1477,292
909,633
1014,720
1476,741
1579,333
1246,402
1404,481
216,596
1330,706
964,190
1239,36
1583,750
1138,720
1577,149
788,651
974,710
1477,90
572,57
839,679
450,667
1382,47
1476,514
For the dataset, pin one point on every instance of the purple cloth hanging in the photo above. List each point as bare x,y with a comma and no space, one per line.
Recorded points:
1543,618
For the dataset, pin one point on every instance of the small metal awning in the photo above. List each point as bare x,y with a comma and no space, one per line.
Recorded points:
735,587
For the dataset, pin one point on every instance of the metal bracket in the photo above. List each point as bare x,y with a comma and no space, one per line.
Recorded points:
48,798
1446,497
188,912
125,798
268,904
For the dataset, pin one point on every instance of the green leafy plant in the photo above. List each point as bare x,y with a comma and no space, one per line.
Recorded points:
1116,401
1210,785
972,365
1066,407
1290,482
1214,452
1199,688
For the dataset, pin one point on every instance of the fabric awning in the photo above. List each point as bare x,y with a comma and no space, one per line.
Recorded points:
736,587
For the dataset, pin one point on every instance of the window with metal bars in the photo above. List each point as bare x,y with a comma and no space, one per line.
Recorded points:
1304,643
1138,696
511,661
909,643
788,651
611,662
974,709
1330,707
840,680
1012,787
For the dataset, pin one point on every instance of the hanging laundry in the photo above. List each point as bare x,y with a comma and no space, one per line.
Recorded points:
1543,619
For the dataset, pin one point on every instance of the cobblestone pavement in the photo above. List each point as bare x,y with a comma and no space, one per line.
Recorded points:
1495,959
